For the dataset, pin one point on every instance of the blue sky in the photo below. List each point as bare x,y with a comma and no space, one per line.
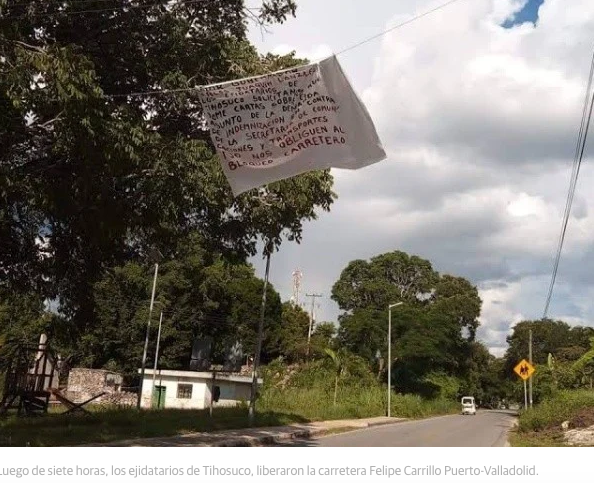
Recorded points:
529,13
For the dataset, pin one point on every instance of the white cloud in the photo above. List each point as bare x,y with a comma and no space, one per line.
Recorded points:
526,205
480,124
319,52
498,313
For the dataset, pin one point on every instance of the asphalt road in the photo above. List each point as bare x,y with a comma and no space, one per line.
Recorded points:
487,428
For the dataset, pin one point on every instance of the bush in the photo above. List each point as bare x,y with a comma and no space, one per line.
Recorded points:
443,386
554,410
318,373
308,391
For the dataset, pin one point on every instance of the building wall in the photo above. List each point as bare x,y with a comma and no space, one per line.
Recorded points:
171,399
231,392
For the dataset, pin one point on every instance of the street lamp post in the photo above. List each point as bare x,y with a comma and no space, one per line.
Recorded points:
156,256
390,355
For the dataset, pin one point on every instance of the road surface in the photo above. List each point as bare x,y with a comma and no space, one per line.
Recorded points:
487,428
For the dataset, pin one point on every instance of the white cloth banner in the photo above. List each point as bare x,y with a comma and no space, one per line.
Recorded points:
279,125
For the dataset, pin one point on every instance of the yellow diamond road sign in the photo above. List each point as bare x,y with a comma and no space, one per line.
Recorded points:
524,369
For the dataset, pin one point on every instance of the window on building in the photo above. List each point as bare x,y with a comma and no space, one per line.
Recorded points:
184,391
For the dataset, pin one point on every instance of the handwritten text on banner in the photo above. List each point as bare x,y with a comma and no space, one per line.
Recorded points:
290,122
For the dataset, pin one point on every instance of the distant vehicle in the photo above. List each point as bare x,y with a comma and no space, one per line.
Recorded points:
468,405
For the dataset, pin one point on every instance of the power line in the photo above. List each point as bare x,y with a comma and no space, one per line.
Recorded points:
406,22
187,89
577,162
580,145
402,24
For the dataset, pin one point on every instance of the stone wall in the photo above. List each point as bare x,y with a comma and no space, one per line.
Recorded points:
84,383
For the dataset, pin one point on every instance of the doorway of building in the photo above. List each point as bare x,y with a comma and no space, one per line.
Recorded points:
159,397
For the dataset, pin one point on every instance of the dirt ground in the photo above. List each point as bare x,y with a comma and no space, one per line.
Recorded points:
583,419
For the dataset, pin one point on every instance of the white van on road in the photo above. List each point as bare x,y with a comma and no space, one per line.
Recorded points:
468,405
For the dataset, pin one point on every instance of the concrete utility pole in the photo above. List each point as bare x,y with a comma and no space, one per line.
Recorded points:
254,387
157,354
157,257
530,360
313,301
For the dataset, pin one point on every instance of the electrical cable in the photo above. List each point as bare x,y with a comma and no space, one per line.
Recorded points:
578,157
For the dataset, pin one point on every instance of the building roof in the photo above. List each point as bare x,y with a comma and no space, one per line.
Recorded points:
219,376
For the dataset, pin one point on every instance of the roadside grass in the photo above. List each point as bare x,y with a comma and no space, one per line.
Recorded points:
275,408
109,425
315,404
541,425
553,438
552,412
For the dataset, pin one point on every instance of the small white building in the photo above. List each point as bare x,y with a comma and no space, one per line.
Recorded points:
193,390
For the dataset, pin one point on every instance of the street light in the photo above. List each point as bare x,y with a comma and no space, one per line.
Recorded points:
390,354
155,256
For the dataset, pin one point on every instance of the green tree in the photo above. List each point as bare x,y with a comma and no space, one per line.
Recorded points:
25,316
91,175
457,297
384,280
554,337
485,377
323,336
363,332
200,294
585,366
432,332
290,337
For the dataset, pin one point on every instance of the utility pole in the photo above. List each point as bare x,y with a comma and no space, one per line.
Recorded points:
157,354
313,301
155,255
530,360
254,387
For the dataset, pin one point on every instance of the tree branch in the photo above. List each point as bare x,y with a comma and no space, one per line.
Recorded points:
29,46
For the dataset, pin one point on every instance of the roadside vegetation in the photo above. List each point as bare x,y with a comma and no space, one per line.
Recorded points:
338,373
542,425
299,394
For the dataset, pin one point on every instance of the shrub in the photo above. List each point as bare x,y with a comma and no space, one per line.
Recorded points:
554,410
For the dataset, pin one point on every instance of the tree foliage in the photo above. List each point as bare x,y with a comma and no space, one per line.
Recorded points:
557,349
92,174
432,332
200,295
290,336
554,337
